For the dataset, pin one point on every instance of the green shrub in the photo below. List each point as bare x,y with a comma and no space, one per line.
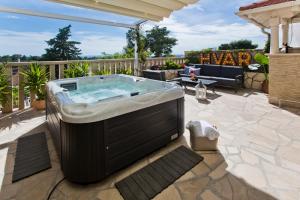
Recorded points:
263,60
125,71
77,70
171,65
4,85
102,72
15,95
192,57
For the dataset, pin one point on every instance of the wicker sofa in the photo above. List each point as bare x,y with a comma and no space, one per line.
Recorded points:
227,76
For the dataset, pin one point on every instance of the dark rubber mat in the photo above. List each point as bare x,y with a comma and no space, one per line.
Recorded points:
32,156
149,181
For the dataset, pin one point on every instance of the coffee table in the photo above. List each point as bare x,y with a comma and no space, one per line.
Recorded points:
210,84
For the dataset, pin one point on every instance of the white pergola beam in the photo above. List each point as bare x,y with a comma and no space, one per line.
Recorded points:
109,8
64,17
137,5
188,1
171,4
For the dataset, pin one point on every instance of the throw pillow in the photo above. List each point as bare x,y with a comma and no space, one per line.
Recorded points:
195,71
186,70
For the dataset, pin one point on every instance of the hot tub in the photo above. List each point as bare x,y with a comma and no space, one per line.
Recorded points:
101,124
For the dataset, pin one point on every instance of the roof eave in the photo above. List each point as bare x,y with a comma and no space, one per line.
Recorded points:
269,8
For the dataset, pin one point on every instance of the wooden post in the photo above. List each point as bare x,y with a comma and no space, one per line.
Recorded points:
52,72
21,90
8,106
61,71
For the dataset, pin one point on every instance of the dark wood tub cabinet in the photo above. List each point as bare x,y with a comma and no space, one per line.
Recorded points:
89,152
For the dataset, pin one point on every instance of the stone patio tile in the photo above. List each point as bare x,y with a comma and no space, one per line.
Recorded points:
263,142
232,150
281,178
268,157
191,189
239,189
223,188
187,176
201,169
38,185
212,159
289,156
249,157
256,194
289,194
209,195
112,194
257,159
72,190
269,123
169,193
220,171
235,158
9,191
252,175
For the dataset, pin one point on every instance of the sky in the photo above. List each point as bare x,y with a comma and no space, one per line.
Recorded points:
206,24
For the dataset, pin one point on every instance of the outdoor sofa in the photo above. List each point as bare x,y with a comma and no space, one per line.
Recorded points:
159,75
226,76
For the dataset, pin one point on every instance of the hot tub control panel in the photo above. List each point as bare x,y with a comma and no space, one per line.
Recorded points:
69,86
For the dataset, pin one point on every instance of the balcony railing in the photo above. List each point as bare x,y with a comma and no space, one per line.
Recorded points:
56,71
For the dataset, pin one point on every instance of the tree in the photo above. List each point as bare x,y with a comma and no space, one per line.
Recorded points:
267,45
15,58
61,48
138,35
240,44
268,42
159,42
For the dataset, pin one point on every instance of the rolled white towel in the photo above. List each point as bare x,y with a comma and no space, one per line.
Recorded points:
202,129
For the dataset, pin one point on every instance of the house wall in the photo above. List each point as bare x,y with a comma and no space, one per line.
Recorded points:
284,79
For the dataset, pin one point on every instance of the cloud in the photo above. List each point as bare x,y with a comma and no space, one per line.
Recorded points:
28,43
200,36
196,6
11,17
33,43
95,44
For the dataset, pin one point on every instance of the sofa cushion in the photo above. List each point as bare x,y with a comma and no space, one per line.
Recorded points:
226,82
196,71
211,70
231,72
197,65
189,69
207,77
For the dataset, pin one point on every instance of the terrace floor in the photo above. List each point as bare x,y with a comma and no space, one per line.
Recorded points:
258,158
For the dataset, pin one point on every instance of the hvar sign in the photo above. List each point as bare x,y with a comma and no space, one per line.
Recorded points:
234,58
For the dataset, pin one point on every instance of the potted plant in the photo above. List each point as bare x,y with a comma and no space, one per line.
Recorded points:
263,60
35,78
4,87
